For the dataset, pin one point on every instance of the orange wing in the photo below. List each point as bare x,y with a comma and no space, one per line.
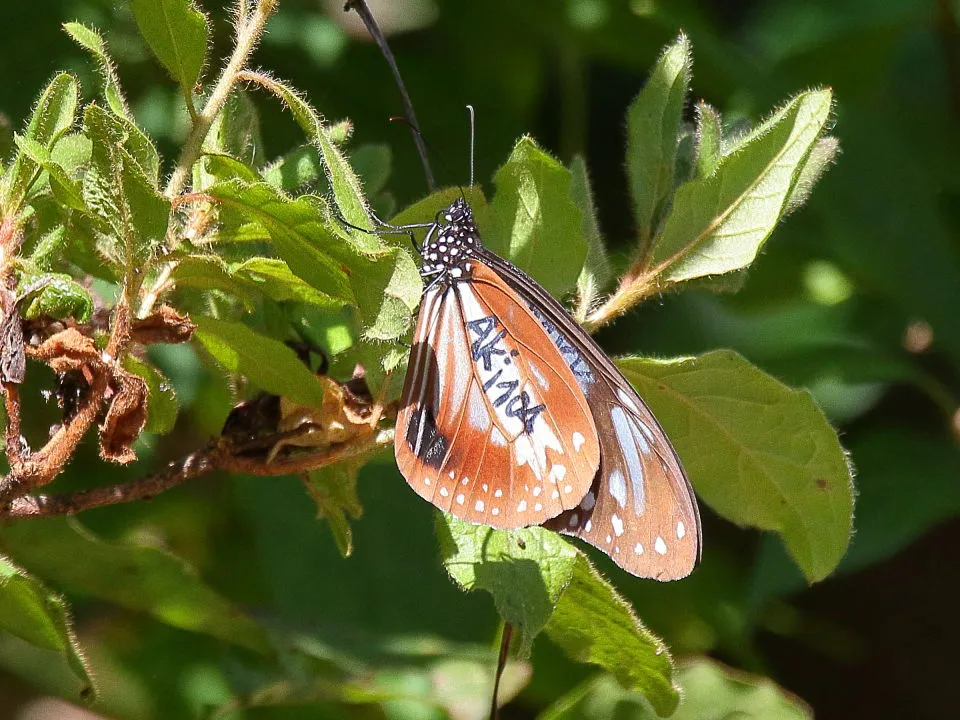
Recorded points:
493,425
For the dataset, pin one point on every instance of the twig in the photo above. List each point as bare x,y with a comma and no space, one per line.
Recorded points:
361,9
220,454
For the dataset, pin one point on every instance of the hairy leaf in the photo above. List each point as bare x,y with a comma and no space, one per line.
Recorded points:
653,131
177,34
592,623
525,570
759,453
535,222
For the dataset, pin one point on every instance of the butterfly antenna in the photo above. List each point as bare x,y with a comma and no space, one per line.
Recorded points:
473,134
361,9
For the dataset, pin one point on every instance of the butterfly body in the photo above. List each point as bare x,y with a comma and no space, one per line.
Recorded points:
511,415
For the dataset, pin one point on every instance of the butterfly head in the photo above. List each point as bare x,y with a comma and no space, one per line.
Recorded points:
451,244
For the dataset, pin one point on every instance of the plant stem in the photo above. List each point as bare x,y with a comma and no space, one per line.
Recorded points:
249,32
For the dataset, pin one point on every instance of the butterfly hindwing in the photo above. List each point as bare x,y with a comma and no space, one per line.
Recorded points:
641,509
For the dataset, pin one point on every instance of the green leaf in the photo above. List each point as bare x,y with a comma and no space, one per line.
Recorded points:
133,215
222,168
90,40
208,272
177,34
596,267
275,280
593,624
385,288
759,453
719,223
653,130
162,404
295,170
132,576
266,362
346,186
52,117
709,690
236,130
388,293
709,140
525,570
297,231
535,222
334,490
821,157
62,297
31,612
64,188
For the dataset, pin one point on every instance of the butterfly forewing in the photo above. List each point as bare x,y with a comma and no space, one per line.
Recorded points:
493,425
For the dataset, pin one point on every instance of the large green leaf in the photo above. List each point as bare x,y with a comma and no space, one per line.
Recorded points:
653,131
757,452
177,34
718,224
138,577
36,615
268,363
593,624
525,570
535,221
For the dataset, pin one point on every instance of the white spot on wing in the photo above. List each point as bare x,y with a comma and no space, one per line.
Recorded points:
660,546
588,525
617,524
426,481
638,549
444,492
497,438
558,472
589,500
522,506
498,493
681,530
479,506
578,441
537,490
538,375
460,499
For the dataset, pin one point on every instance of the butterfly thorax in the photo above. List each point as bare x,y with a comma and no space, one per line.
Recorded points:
451,244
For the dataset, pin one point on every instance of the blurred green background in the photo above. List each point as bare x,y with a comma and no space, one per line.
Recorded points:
856,298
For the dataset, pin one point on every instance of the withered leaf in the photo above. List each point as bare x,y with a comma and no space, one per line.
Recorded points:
165,325
125,419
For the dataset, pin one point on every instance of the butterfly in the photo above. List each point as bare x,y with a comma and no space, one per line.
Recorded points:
511,415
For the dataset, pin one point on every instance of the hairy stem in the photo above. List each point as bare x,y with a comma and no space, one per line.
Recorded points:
249,31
